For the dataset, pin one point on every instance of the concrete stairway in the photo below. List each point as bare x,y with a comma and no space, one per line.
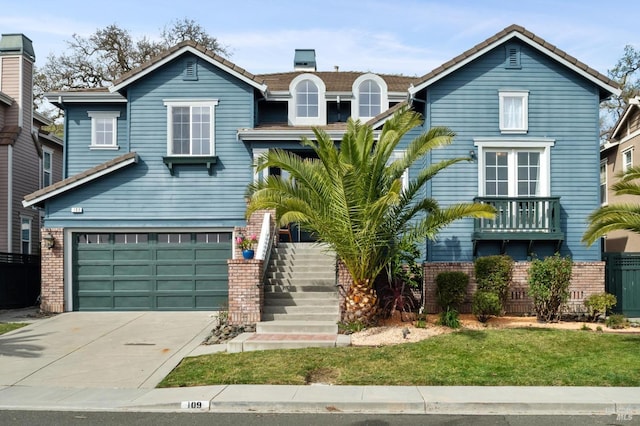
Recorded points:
300,302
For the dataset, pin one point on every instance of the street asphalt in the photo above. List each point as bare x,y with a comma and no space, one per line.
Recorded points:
108,361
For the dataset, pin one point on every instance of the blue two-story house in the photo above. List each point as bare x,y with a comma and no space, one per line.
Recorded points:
157,165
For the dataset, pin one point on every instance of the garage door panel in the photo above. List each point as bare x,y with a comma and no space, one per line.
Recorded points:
135,272
132,285
131,302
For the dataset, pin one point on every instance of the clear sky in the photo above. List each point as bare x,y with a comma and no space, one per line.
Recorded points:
408,37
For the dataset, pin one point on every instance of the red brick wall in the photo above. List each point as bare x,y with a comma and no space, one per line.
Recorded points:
52,261
246,292
587,278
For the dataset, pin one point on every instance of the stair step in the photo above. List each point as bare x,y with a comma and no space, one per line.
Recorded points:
297,327
303,295
261,342
284,288
323,302
305,310
300,317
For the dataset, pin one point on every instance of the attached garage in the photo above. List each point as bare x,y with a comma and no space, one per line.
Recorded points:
150,271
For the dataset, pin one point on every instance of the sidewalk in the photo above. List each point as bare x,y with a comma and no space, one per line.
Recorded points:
339,399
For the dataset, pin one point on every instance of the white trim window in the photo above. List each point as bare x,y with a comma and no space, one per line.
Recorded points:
627,159
104,129
397,155
25,234
190,127
47,167
603,182
514,111
370,97
307,103
514,168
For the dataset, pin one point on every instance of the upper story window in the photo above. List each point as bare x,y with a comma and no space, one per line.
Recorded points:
398,155
104,129
47,167
627,159
307,104
25,235
514,168
190,127
370,97
306,99
514,111
603,182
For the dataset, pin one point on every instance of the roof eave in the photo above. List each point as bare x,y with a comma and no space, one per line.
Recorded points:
127,81
61,98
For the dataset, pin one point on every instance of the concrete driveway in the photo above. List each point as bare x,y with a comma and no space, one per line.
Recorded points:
101,349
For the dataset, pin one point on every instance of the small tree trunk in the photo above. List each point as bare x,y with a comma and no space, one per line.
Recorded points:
360,304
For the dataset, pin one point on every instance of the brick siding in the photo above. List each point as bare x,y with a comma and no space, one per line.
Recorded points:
52,260
587,279
246,292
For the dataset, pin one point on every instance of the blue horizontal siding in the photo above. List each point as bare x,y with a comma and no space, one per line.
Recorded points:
562,106
146,194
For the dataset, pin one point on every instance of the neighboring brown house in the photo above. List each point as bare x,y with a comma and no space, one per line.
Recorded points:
619,153
30,158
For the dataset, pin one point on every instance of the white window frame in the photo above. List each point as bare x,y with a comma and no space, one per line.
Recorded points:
604,182
355,88
523,95
542,145
191,103
104,115
397,155
25,225
321,119
45,170
627,164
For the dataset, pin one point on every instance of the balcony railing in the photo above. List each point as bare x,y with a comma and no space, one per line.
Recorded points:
521,218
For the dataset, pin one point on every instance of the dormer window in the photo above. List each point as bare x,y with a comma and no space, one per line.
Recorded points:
306,99
307,104
370,97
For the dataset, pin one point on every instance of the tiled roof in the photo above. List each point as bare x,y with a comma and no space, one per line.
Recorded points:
177,47
335,81
9,134
86,175
497,37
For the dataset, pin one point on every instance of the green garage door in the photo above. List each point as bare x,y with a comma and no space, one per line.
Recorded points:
150,271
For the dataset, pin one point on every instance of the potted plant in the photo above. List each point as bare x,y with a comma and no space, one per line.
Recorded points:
246,245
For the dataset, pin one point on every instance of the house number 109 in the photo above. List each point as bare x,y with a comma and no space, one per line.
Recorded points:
194,405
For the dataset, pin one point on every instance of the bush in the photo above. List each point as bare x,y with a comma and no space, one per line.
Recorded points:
485,305
616,321
494,274
449,318
395,287
598,304
549,281
451,289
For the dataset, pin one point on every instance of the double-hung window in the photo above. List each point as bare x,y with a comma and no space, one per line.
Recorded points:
370,99
603,182
25,234
104,129
514,111
307,99
47,157
190,127
627,159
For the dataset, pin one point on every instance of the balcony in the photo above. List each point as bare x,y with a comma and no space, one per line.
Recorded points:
520,219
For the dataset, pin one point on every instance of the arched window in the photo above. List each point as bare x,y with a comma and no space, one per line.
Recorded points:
370,99
307,99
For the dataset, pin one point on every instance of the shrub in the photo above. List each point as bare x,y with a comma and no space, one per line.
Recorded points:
449,318
395,287
485,305
451,288
549,281
616,321
494,274
598,304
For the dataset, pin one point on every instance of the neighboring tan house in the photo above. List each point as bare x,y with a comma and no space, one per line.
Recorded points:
30,158
616,156
156,166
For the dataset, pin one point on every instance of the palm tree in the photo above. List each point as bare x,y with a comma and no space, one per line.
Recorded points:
616,216
352,198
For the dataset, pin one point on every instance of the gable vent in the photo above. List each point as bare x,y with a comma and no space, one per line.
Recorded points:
190,70
513,56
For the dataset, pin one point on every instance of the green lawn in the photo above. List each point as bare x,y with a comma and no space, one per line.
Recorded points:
6,327
516,357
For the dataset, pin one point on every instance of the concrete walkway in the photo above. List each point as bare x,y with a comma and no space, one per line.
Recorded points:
113,361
